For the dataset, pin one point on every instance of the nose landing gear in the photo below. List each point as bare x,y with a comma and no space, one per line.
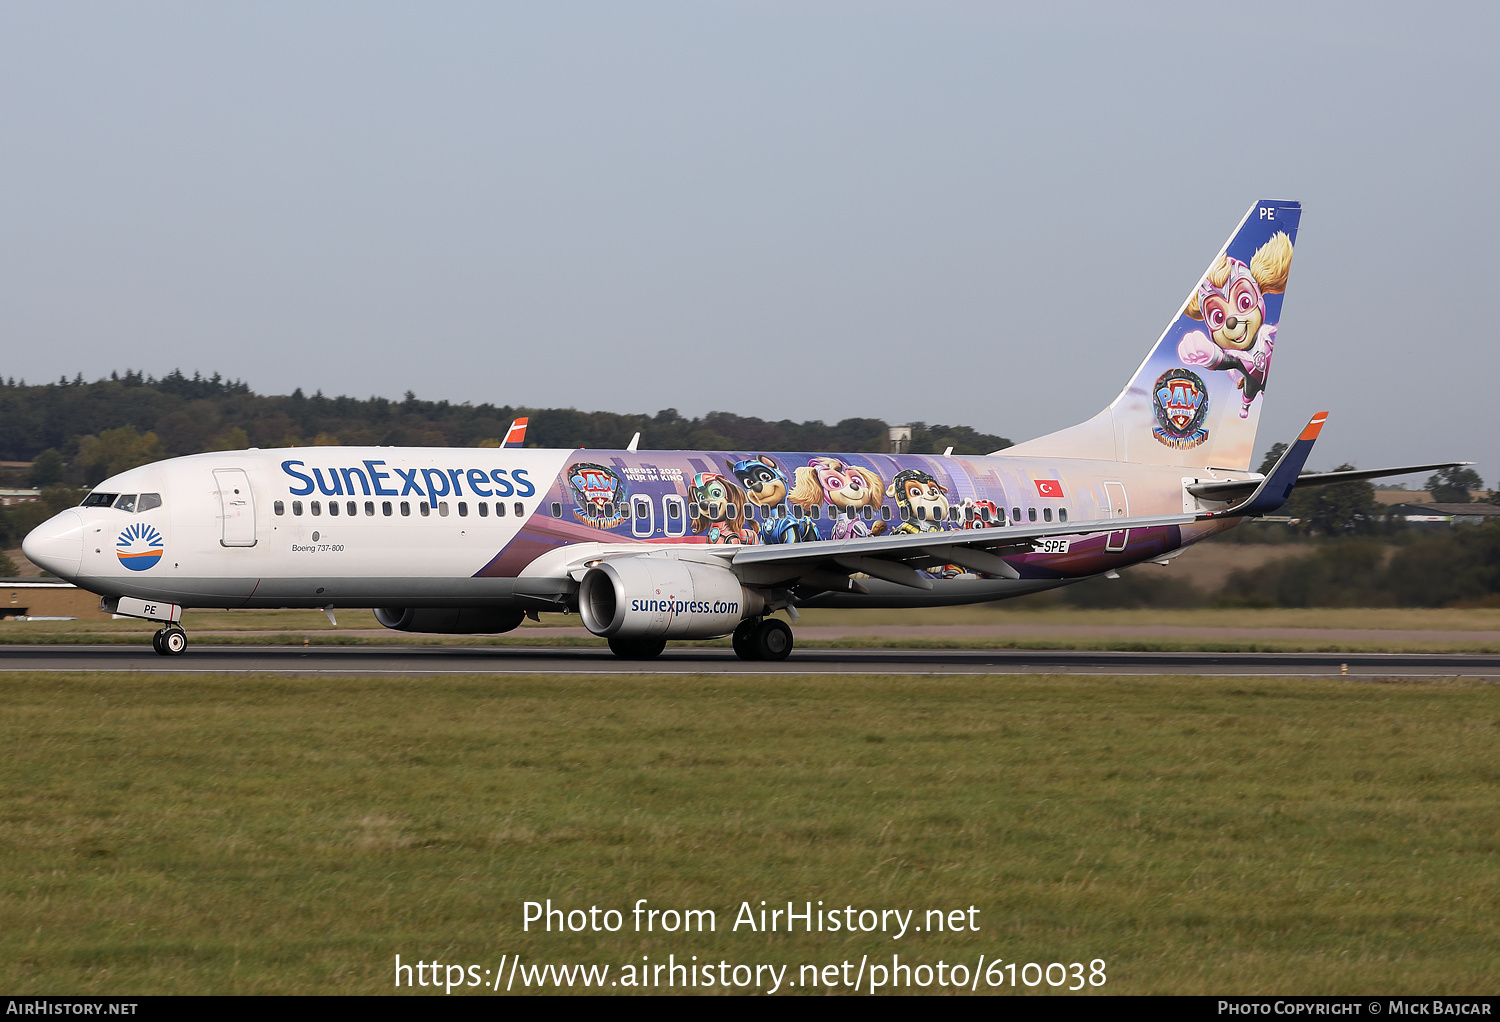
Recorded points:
766,639
169,641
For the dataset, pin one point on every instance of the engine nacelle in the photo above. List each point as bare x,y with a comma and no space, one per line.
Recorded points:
450,620
647,597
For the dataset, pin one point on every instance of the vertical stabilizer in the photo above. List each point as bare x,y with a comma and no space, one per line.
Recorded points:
1195,401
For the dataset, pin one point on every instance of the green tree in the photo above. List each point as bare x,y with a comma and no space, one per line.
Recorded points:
1271,458
8,567
115,450
232,439
1341,509
1452,485
47,469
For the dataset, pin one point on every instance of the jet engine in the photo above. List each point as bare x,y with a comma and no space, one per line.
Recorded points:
449,620
647,597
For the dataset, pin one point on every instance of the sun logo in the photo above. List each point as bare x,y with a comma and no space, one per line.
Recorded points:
139,547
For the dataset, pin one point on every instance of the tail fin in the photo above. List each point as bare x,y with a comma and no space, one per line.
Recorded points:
1195,401
516,436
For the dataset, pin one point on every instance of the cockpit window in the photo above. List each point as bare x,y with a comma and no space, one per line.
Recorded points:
148,501
125,502
99,499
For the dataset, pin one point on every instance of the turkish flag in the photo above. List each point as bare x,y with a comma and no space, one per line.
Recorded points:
1049,488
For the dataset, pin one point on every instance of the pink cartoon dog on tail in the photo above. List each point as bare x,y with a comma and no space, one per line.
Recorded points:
1231,303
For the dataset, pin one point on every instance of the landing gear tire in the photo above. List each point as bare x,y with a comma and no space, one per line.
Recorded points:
771,640
743,640
156,641
173,641
637,649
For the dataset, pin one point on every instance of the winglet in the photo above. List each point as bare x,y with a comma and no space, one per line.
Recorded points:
1314,427
1277,486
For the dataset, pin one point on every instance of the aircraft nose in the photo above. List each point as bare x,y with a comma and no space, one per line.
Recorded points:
56,544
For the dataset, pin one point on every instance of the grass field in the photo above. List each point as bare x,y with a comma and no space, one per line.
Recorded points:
174,834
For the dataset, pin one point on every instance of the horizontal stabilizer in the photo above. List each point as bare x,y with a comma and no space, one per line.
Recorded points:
1228,489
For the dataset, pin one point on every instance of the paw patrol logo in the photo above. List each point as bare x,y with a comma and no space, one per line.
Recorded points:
139,547
1181,403
595,488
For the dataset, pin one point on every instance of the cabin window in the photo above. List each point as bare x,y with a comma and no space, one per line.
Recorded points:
731,510
1015,513
483,509
674,510
151,500
868,513
333,507
370,508
692,510
642,510
425,508
499,509
556,509
297,508
463,509
521,510
815,512
99,499
984,514
443,508
317,507
885,513
1046,514
125,502
922,513
1031,514
905,513
1062,514
968,514
279,508
953,514
406,509
796,510
353,508
385,508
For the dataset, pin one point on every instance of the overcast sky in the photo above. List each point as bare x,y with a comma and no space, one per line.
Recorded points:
959,213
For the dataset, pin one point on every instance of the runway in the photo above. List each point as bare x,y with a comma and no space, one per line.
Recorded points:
415,660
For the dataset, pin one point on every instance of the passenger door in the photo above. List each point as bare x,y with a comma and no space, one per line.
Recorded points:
237,507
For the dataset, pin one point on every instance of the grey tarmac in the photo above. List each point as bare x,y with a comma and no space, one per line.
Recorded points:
409,660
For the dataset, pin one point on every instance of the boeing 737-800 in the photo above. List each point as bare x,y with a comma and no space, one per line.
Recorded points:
648,546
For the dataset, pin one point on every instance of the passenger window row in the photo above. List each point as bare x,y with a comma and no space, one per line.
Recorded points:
389,508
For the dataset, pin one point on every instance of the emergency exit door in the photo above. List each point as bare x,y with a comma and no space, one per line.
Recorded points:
1119,507
236,507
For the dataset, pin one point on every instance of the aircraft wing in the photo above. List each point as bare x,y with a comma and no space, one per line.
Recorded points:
886,556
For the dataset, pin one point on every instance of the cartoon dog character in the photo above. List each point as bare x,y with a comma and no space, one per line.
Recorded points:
719,510
765,486
982,514
1231,303
924,500
763,480
831,481
846,489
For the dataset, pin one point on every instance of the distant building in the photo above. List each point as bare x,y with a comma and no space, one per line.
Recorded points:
1446,515
900,439
21,496
22,598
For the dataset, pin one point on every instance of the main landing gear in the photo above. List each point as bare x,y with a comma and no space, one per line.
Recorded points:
766,639
170,641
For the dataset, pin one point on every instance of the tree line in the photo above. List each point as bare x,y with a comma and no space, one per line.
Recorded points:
76,432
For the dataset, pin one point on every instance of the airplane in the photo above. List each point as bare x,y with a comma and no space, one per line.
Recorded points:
649,546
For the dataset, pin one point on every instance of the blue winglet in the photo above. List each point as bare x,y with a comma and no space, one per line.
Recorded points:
1277,487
